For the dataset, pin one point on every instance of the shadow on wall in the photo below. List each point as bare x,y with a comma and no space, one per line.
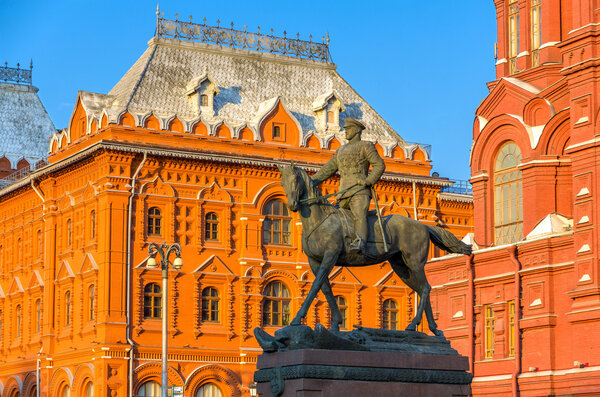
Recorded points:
307,122
227,95
353,110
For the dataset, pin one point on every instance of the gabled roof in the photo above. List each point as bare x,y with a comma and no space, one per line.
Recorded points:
495,103
159,80
551,224
25,126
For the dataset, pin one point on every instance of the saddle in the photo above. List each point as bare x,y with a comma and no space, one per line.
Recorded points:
374,244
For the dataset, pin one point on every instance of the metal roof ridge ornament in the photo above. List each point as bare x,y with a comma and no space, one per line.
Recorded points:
16,75
242,38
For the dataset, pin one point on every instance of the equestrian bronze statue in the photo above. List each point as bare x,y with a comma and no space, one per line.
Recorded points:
328,234
352,162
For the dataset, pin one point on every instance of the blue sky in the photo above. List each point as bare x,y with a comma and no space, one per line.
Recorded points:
422,65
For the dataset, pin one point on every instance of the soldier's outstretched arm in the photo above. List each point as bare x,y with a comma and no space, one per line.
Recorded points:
377,164
328,170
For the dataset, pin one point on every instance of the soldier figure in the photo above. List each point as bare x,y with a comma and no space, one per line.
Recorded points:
352,161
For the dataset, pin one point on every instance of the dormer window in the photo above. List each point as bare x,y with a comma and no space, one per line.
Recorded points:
327,108
276,131
201,91
330,117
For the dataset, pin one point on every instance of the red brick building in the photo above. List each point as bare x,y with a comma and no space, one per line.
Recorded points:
525,307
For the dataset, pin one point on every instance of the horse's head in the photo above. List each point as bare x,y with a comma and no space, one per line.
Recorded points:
292,184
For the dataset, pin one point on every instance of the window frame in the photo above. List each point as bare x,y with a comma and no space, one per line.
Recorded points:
281,219
507,185
154,227
153,295
343,310
489,323
208,310
275,303
211,227
390,311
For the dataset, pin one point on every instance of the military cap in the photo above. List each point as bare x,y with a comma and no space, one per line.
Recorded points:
353,123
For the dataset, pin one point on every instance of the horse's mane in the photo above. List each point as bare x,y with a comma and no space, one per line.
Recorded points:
312,190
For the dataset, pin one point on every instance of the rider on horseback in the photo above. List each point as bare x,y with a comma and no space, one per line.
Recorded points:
352,161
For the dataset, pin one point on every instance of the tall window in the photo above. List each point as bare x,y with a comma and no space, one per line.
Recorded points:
341,302
91,302
276,306
276,227
390,314
154,219
93,224
536,31
489,323
20,251
511,328
66,392
38,316
19,318
69,232
209,390
508,196
152,301
149,389
1,324
513,34
211,226
67,308
39,243
210,304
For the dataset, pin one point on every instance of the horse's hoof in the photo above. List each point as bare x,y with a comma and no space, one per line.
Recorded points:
438,332
411,327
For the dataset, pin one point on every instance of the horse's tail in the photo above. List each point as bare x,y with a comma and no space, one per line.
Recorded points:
447,241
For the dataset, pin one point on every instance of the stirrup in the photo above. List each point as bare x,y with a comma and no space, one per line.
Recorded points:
357,245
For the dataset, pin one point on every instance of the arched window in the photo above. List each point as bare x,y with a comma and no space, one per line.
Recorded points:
341,302
91,302
88,391
39,243
390,314
149,389
19,316
69,232
276,306
152,301
93,224
508,196
38,316
211,226
209,390
276,226
15,393
154,220
210,304
33,392
67,308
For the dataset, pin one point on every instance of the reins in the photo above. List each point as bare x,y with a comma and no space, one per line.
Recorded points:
314,200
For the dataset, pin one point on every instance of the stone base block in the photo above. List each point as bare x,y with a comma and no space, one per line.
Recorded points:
331,373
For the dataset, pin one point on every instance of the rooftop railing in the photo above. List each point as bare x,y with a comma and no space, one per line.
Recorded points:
459,187
16,75
242,38
21,173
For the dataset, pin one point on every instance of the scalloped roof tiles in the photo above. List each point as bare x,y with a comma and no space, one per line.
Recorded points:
157,82
25,126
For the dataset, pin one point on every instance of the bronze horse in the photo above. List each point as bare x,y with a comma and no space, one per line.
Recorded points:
324,227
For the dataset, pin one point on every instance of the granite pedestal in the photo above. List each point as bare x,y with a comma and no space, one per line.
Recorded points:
331,373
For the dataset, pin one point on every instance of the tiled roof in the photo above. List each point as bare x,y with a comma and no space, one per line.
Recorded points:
25,126
158,83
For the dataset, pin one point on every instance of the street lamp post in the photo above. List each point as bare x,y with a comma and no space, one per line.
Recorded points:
164,250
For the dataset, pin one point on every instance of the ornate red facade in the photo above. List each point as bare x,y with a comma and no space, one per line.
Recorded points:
525,307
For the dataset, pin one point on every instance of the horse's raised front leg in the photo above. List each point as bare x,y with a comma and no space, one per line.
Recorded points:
329,261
